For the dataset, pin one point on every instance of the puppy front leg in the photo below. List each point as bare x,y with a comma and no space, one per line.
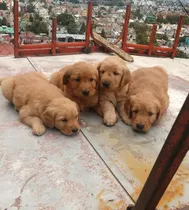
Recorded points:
34,122
122,113
109,113
98,110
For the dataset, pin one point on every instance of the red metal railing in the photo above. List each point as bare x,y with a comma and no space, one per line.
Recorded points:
54,36
16,33
55,47
149,49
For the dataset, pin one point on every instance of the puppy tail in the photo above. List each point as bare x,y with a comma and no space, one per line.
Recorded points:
7,87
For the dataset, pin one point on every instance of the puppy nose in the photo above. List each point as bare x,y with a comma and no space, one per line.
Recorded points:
74,130
85,92
106,84
140,126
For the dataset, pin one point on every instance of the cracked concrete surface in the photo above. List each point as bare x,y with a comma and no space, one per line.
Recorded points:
102,167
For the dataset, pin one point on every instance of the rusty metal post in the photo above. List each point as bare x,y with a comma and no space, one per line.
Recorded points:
89,25
173,152
152,38
180,22
125,27
54,23
16,32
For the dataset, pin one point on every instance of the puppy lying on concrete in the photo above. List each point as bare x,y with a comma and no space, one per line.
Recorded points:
147,98
40,103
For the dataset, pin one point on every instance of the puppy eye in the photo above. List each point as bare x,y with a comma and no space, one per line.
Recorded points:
102,72
91,79
116,73
136,111
150,113
77,79
64,120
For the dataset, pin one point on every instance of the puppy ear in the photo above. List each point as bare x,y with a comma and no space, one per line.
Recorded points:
128,110
126,78
98,66
48,117
158,114
97,81
67,74
66,77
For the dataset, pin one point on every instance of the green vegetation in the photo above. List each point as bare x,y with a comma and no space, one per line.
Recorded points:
82,29
68,21
74,1
172,19
162,36
141,30
182,39
150,19
3,6
119,3
30,8
142,33
137,13
37,25
3,22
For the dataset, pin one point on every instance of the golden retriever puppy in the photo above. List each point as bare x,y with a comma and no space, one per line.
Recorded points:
40,103
147,98
114,79
79,82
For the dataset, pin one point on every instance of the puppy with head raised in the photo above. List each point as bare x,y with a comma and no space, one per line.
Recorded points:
114,79
79,82
147,98
40,103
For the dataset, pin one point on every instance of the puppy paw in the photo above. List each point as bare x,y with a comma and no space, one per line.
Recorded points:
111,120
38,129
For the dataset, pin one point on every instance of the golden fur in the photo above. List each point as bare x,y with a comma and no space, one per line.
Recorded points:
114,79
40,103
79,82
147,98
1,79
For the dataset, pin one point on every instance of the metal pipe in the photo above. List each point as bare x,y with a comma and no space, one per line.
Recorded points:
180,22
126,26
16,32
89,24
152,38
54,24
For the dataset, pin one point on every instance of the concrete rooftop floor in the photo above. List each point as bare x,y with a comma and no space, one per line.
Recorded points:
100,169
